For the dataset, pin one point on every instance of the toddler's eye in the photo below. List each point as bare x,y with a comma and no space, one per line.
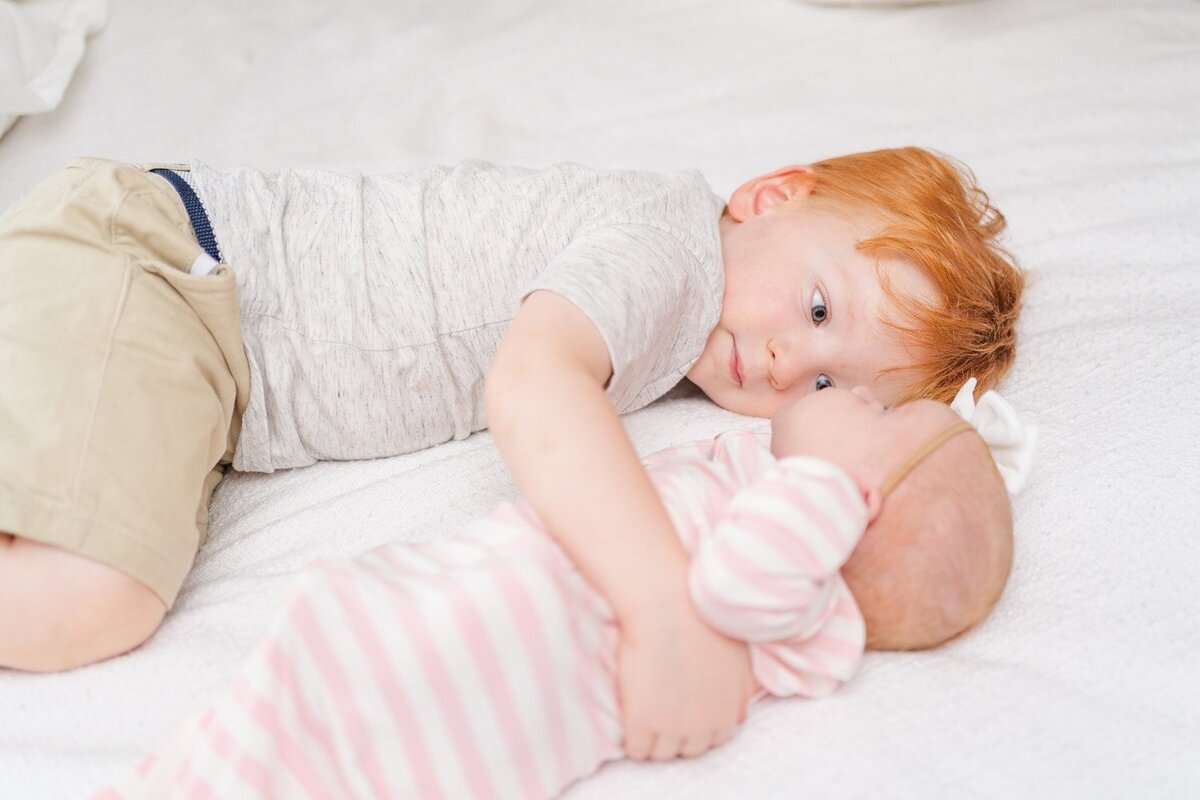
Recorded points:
819,312
823,382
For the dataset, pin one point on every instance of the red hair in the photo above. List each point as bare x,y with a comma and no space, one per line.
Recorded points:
935,216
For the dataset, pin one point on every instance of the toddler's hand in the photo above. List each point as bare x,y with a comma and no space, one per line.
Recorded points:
683,687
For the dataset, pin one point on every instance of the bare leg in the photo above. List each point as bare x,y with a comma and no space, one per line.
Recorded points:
59,610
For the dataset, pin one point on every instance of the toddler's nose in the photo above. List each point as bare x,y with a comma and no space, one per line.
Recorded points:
783,368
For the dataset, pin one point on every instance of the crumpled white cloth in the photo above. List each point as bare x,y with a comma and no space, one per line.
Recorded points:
1011,441
41,44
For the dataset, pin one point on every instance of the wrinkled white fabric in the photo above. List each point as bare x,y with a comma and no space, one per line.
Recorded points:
41,44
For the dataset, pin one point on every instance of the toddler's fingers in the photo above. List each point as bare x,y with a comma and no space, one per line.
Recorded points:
639,744
666,748
724,735
695,746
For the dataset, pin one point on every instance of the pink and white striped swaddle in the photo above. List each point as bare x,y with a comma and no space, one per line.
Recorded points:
484,666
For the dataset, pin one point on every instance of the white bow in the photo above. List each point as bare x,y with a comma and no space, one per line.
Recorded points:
1010,440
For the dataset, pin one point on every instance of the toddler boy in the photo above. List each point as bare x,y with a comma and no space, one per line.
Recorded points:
157,327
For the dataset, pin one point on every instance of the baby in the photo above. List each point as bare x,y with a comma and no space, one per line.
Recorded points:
484,666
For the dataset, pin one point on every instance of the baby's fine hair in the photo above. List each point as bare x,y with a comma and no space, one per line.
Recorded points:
936,560
934,215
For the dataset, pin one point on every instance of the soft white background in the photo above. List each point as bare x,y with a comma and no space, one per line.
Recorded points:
1081,118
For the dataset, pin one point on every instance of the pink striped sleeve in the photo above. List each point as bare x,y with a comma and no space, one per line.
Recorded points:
690,451
768,572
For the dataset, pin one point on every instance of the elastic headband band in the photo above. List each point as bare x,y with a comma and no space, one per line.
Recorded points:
922,453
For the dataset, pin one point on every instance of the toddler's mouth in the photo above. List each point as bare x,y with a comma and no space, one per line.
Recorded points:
735,364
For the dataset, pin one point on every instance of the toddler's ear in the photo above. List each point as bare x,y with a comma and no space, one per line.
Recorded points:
766,191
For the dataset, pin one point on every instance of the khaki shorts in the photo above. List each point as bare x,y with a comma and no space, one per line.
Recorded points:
122,376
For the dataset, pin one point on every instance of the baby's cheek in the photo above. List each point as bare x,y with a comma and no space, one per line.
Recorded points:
779,435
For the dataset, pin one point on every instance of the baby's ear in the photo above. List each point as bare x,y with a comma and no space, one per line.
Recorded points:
873,496
767,191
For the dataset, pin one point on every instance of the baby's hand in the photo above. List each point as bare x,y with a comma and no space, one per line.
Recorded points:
815,419
684,687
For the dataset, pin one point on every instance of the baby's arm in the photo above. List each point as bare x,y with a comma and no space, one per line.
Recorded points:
768,572
683,687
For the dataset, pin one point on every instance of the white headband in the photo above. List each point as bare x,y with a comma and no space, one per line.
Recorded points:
1010,440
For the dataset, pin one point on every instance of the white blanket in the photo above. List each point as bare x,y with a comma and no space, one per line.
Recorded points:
1081,118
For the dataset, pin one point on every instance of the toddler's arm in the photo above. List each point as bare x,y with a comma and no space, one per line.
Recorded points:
683,686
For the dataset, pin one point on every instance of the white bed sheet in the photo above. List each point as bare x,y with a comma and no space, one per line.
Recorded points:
1081,117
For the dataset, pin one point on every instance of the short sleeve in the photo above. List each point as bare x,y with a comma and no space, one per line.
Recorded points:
768,574
648,296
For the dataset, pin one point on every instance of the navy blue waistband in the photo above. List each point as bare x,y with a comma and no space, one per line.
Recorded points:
195,210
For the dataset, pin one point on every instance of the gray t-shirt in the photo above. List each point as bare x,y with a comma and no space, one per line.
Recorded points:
372,306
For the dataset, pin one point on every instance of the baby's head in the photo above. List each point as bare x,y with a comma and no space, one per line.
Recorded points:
937,551
878,269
